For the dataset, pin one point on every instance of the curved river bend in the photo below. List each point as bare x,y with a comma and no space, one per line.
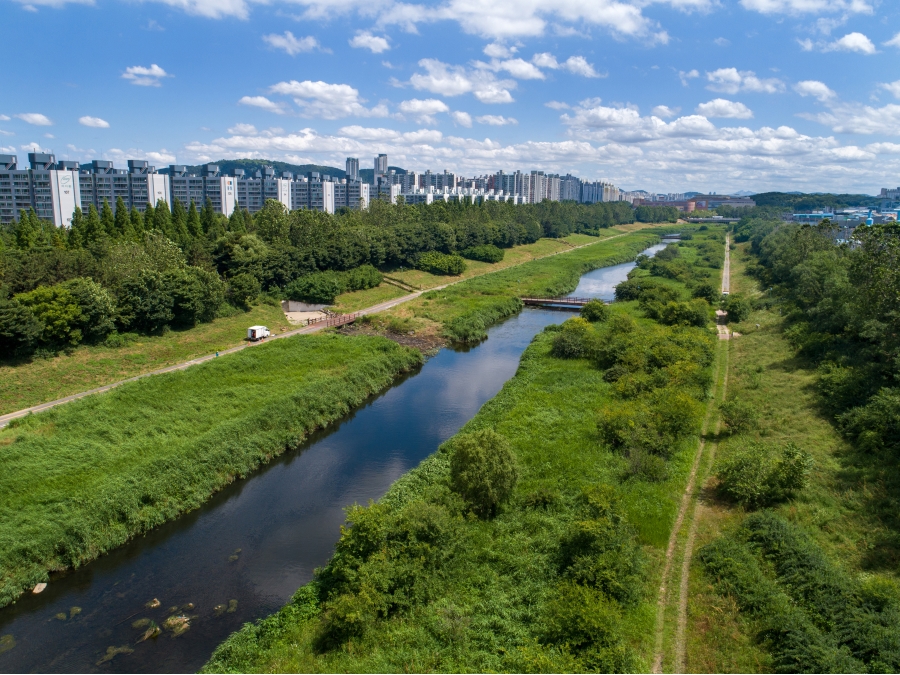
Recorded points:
253,544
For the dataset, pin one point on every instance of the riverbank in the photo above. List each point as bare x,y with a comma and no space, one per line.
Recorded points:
54,484
85,477
835,552
563,577
38,380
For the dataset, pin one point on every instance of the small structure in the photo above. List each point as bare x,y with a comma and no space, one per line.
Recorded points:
255,333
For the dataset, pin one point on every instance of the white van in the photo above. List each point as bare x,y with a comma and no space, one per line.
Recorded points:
255,333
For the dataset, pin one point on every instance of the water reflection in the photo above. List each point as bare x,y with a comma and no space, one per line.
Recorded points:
258,540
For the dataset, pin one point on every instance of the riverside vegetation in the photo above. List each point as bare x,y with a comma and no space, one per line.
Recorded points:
532,540
798,571
86,476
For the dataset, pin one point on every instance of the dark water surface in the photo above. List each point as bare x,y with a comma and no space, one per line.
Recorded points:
260,539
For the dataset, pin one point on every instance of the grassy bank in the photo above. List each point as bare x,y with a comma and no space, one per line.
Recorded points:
463,311
601,421
35,380
85,477
837,532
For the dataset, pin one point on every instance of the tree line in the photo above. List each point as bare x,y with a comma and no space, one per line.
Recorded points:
179,265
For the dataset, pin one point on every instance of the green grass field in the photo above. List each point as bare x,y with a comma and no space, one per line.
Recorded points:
83,478
433,588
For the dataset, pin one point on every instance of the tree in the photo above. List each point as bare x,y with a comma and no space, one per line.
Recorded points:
236,222
243,289
208,218
107,220
149,217
196,293
122,220
162,219
738,308
483,470
137,223
20,329
97,306
194,226
179,224
28,229
77,232
93,227
145,302
57,309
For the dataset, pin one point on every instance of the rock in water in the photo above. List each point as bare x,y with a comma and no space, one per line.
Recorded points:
39,588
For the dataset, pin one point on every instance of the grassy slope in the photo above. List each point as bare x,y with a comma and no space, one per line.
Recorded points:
38,380
840,509
486,611
35,381
83,478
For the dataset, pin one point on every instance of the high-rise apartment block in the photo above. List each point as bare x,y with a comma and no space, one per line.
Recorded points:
352,168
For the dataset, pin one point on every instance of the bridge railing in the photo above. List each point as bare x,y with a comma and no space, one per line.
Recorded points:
335,320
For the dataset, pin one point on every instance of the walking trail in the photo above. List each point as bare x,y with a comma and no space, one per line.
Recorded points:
374,309
688,508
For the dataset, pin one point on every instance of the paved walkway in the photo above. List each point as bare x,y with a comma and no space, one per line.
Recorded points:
374,309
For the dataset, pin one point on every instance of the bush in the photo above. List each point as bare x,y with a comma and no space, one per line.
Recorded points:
483,470
693,313
758,475
738,308
486,253
441,263
196,295
706,291
572,341
595,311
243,289
738,415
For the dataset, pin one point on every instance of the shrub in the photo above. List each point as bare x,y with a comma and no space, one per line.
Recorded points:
706,291
595,311
738,415
196,295
693,313
738,308
319,288
486,253
571,341
441,263
57,310
757,475
643,465
97,305
483,470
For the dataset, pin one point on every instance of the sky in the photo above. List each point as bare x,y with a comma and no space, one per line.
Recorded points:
660,95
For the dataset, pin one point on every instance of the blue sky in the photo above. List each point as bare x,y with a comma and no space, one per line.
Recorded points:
669,95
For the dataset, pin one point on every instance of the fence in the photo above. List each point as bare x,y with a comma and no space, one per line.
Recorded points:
335,320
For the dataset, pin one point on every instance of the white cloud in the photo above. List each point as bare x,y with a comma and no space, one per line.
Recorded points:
264,103
423,110
327,101
893,42
159,157
574,64
807,6
720,107
496,120
145,77
721,42
557,105
852,42
519,68
686,75
463,119
36,119
291,44
374,43
499,51
892,87
855,118
442,78
242,129
4,118
816,89
94,122
664,111
731,81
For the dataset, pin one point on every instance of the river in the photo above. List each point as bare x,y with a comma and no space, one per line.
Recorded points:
253,544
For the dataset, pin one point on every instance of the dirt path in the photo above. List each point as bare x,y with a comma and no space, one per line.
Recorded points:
688,508
374,309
